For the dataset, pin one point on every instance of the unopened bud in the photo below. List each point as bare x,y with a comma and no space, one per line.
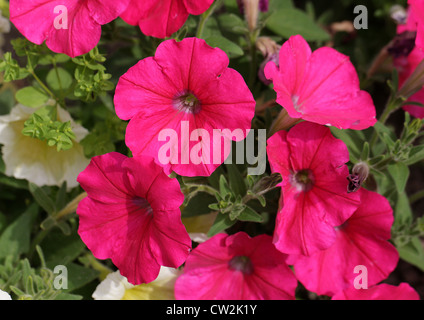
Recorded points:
359,174
270,50
251,12
398,14
414,83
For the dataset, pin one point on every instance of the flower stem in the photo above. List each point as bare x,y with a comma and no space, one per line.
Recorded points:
416,197
70,207
205,16
392,105
41,83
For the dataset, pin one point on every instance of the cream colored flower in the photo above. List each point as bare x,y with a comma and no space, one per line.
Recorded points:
32,159
116,287
4,295
112,288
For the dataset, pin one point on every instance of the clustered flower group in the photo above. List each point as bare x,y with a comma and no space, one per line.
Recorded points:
132,210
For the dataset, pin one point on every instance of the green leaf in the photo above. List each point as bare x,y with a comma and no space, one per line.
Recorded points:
15,239
14,183
400,173
402,210
365,151
280,4
236,180
79,276
413,252
232,23
59,249
351,141
224,189
42,198
416,154
248,214
31,97
229,47
222,222
59,79
288,22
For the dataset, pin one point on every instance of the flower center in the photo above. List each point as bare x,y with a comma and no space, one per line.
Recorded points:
295,100
241,263
303,180
187,102
342,226
142,204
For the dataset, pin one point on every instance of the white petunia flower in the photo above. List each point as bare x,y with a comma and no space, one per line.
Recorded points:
112,288
117,287
4,295
32,159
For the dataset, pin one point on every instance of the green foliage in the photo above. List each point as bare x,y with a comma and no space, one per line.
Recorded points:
42,125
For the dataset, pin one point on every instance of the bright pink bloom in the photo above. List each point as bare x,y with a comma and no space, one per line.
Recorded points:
320,86
72,27
417,7
161,19
407,64
379,292
314,187
361,241
186,89
236,267
132,216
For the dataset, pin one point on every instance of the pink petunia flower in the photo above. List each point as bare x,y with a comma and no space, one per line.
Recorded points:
161,19
379,292
361,250
185,106
417,7
131,215
236,267
320,86
406,64
72,27
314,187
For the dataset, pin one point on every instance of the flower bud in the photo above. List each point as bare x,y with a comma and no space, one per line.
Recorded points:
250,9
398,14
270,50
359,174
414,83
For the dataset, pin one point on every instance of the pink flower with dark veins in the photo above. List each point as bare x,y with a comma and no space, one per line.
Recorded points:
132,216
185,106
236,267
406,58
417,7
382,291
72,27
320,86
314,187
360,241
162,18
